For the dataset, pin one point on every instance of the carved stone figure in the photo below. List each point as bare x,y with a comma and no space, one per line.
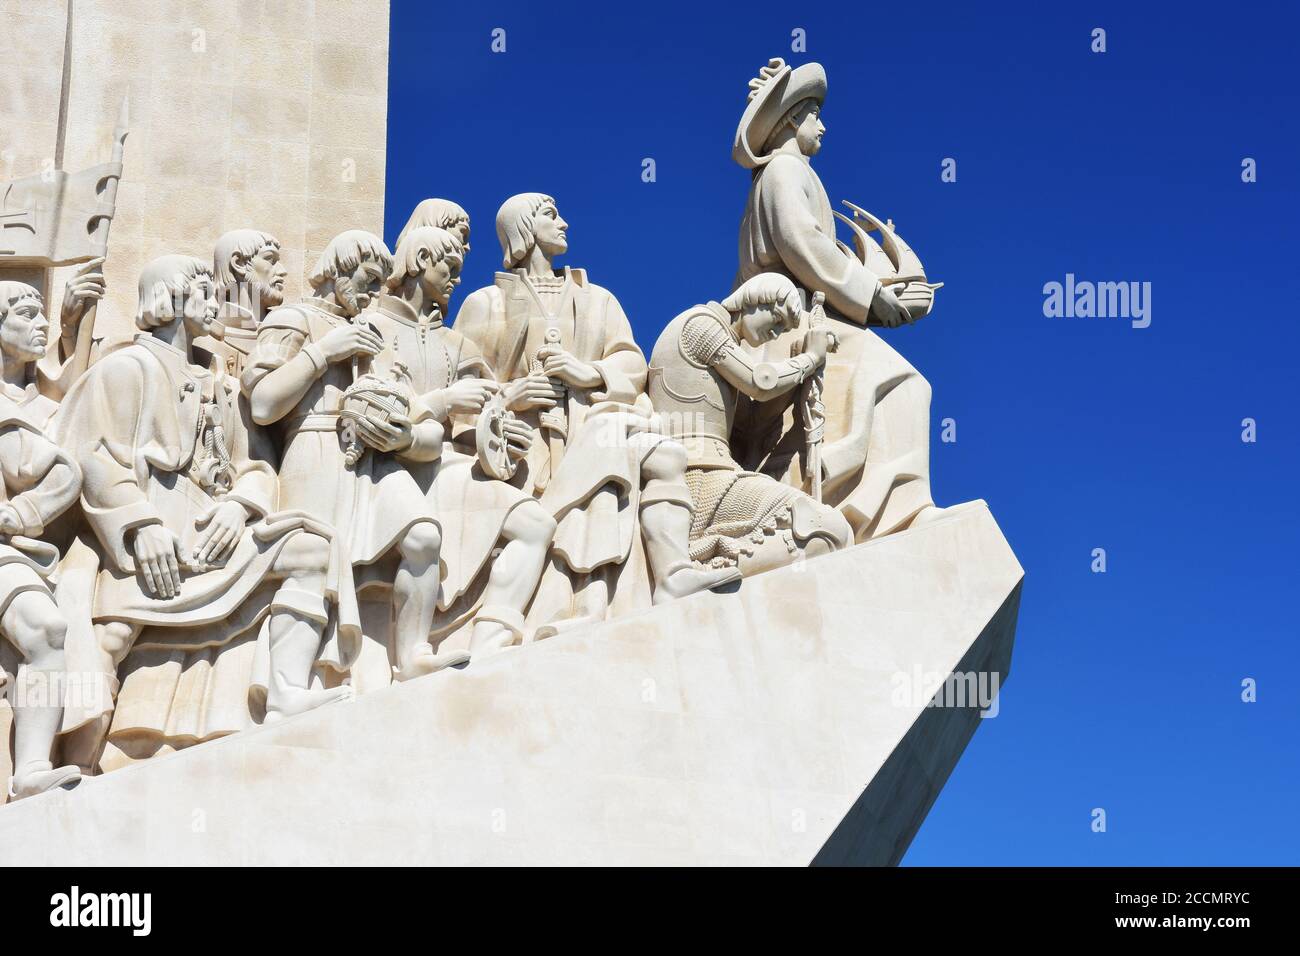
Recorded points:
564,351
250,283
31,380
443,214
698,370
876,459
351,474
191,543
37,483
474,511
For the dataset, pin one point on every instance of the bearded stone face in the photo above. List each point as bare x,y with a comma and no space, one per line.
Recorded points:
265,275
355,290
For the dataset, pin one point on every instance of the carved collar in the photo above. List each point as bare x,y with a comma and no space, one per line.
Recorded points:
173,359
398,308
562,276
324,305
20,396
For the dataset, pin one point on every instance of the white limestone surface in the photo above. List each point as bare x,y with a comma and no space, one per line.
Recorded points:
764,726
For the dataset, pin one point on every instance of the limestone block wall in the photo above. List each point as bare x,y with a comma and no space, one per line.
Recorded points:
263,113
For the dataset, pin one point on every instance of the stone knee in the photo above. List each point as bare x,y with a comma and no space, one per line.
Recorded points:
421,543
531,523
37,627
304,555
667,462
49,636
114,639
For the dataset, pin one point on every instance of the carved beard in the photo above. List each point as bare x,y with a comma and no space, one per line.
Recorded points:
268,295
345,293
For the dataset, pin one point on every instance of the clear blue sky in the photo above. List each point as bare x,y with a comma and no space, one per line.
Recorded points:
1080,433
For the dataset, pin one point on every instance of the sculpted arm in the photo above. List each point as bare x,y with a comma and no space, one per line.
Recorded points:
812,256
102,428
52,479
464,399
622,367
708,343
283,367
252,455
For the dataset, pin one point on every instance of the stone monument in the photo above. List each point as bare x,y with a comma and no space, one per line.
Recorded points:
699,608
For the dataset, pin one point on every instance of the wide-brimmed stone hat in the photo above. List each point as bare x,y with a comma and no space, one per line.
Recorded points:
774,92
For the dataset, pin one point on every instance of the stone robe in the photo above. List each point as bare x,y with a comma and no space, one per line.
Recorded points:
370,505
594,495
877,447
137,424
469,506
34,406
38,482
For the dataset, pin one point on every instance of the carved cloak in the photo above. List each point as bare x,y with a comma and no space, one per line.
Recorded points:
877,452
595,493
132,422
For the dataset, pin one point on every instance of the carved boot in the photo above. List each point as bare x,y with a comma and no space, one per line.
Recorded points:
36,722
297,619
666,526
41,776
425,660
495,629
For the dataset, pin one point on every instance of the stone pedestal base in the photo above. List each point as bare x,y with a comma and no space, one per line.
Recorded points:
784,723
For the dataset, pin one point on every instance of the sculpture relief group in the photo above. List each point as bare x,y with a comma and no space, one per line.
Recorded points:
259,507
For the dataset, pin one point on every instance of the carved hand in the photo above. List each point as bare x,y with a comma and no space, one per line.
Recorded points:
519,437
84,288
557,363
10,523
394,435
889,310
469,395
817,343
225,524
349,340
534,391
155,556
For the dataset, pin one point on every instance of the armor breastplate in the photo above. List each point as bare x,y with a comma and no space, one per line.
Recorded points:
692,399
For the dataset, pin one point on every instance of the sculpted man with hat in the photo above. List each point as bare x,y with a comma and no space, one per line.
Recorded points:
875,462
